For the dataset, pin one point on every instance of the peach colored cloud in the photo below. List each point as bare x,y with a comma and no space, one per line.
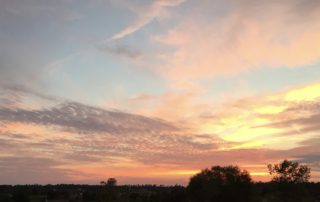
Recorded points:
264,34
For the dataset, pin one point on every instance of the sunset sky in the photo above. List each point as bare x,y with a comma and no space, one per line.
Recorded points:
153,91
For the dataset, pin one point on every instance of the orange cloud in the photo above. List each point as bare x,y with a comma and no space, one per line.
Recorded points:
250,133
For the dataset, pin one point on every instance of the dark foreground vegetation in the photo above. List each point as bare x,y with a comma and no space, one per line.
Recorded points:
217,184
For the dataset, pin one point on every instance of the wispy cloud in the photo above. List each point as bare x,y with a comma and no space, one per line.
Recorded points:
31,170
145,16
122,51
81,118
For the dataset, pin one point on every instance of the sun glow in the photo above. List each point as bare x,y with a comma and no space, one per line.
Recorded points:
178,172
259,173
308,93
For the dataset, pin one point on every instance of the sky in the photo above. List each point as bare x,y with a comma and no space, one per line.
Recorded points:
153,91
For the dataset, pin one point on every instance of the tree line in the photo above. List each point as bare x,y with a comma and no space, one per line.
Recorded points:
289,183
229,183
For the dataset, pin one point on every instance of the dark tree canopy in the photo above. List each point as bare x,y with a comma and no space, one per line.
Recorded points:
110,182
289,172
220,184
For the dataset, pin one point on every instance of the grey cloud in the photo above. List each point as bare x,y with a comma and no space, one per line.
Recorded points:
121,50
82,118
16,136
308,106
310,159
305,7
302,131
13,95
72,151
312,141
206,142
11,141
82,157
308,153
20,91
31,170
308,122
299,118
5,144
8,98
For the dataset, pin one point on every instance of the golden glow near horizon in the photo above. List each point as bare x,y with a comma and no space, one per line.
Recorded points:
250,128
259,173
308,93
177,172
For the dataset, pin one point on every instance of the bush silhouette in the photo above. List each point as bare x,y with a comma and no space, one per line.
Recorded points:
289,172
110,182
289,180
220,184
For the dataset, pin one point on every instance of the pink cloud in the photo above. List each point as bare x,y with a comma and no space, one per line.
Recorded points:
251,35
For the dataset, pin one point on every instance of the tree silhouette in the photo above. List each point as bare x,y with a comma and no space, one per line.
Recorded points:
111,182
220,184
289,172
